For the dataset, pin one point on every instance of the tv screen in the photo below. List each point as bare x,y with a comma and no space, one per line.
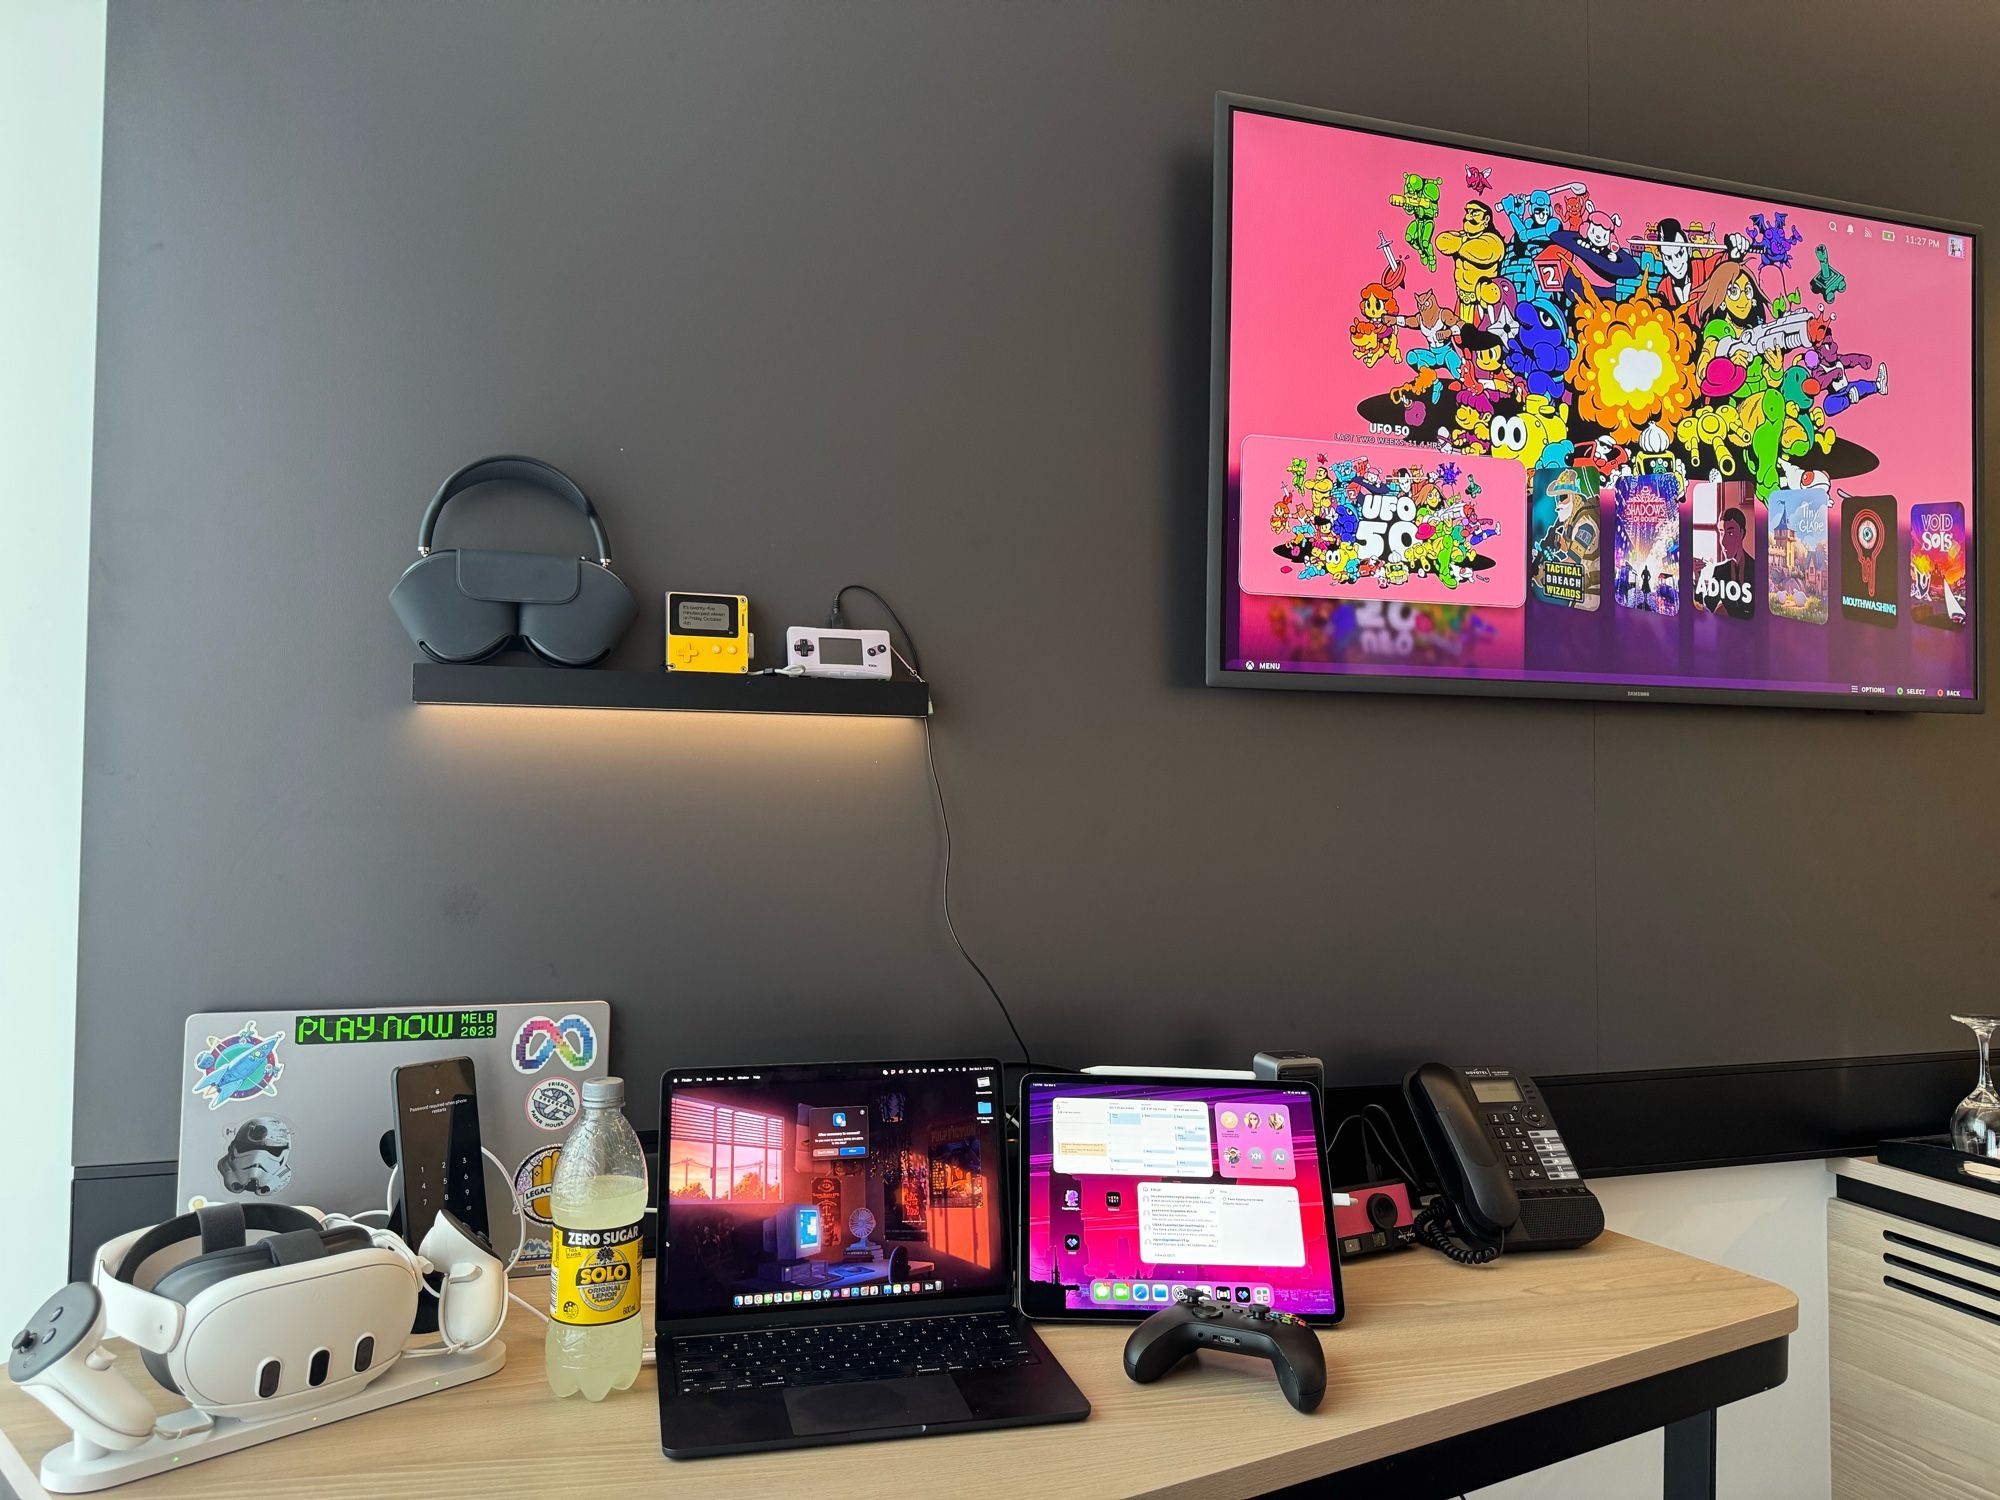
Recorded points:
1492,420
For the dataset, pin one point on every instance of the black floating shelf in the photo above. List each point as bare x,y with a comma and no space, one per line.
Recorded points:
699,692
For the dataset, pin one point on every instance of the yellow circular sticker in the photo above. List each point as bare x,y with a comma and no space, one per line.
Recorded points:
533,1181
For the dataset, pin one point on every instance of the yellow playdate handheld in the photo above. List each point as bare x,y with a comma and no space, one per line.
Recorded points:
709,633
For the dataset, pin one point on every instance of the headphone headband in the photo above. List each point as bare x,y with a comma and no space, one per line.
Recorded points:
524,470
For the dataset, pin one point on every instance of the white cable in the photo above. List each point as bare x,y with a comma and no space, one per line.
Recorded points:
520,1210
520,1244
513,1296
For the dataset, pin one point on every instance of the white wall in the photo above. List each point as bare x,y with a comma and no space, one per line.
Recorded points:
1770,1222
51,154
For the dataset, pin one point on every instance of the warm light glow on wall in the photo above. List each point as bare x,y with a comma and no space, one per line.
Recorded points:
573,743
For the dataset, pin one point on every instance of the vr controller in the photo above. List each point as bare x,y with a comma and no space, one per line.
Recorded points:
263,1318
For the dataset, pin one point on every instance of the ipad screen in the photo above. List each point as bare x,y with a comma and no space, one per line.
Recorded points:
1138,1189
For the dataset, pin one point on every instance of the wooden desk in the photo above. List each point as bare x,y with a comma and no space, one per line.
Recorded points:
1441,1379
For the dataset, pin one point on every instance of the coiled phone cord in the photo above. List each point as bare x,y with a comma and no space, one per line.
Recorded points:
1435,1227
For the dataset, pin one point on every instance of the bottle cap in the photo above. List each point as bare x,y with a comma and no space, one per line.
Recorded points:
601,1093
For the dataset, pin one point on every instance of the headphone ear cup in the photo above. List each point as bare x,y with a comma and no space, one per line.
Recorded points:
580,631
447,625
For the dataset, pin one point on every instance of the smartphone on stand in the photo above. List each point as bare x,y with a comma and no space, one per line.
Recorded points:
438,1160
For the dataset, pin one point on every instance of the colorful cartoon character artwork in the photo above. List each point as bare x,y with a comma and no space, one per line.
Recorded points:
1373,334
241,1065
1676,376
1670,322
1646,544
1829,366
1940,585
1568,531
1795,556
1419,199
1870,559
1475,250
1773,238
1353,520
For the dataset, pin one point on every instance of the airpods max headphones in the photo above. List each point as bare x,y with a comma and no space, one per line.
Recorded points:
466,604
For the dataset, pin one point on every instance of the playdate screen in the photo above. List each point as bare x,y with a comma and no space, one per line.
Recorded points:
1494,420
1136,1190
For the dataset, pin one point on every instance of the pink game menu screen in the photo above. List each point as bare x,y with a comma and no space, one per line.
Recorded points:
1499,420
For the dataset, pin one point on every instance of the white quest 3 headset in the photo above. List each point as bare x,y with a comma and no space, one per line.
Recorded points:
248,1311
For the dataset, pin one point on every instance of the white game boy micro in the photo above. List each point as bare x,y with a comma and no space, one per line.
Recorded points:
827,652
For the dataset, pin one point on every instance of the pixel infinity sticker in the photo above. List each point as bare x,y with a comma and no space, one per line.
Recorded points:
572,1040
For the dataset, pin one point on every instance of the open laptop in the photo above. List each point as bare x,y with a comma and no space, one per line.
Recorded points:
834,1260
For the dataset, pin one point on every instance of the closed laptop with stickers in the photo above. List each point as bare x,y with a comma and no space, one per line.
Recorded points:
291,1106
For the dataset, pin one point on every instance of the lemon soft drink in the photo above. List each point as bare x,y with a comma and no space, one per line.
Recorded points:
598,1200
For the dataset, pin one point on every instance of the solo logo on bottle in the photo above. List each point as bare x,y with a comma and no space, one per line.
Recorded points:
594,1275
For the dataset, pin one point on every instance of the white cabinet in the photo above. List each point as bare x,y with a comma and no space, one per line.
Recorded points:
1913,1337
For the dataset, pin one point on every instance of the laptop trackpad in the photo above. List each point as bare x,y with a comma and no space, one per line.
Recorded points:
853,1406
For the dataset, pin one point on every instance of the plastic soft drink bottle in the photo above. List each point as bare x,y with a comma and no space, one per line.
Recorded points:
599,1202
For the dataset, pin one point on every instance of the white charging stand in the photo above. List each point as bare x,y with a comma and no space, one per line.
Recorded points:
188,1436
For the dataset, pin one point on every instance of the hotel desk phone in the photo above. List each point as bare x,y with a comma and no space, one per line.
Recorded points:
1506,1175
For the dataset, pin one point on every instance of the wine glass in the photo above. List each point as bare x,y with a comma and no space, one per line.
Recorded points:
1975,1124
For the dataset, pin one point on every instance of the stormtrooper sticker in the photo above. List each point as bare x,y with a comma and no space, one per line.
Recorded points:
258,1157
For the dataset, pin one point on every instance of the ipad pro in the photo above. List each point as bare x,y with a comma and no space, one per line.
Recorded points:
1138,1187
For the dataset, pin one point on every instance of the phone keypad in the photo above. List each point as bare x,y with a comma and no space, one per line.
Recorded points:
1531,1150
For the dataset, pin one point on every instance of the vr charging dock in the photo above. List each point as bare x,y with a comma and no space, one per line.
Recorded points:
81,1466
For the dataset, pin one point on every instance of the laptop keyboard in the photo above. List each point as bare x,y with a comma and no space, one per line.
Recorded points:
820,1354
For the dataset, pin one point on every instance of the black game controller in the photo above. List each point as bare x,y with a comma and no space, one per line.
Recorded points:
1200,1322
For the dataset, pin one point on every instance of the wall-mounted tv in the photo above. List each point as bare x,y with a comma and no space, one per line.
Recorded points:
1491,420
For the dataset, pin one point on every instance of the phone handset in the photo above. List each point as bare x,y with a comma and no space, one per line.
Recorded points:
1475,1187
1506,1176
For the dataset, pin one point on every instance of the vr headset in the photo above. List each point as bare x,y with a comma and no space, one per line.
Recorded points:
468,604
251,1311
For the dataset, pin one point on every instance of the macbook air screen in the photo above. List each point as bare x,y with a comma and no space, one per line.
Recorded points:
791,1186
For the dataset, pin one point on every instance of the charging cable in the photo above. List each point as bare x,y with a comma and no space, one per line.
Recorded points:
913,664
1370,1130
833,622
387,1239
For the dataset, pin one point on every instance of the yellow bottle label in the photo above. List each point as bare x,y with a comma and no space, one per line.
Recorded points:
594,1276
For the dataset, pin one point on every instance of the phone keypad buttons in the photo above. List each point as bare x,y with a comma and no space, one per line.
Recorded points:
1553,1156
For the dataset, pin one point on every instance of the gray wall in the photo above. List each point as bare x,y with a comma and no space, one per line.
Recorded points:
917,294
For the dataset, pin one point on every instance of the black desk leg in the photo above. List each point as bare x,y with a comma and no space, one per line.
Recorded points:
1691,1458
